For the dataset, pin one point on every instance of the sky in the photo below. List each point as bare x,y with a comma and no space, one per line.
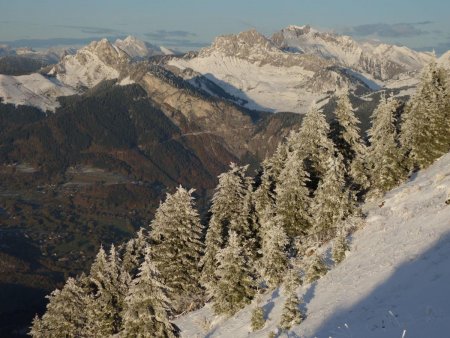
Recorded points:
191,24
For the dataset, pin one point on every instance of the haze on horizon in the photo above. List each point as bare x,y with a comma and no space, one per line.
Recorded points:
188,25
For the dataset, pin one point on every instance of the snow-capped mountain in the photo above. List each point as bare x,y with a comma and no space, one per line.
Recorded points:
298,66
393,282
381,61
138,49
444,60
98,61
260,75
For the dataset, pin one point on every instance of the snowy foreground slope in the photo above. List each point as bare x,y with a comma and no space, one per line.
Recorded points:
395,281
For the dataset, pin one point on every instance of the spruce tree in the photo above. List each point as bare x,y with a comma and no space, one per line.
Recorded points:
274,260
291,314
316,269
134,252
340,246
100,310
385,156
177,248
235,285
257,321
147,306
333,202
293,200
426,123
230,211
346,135
65,313
313,144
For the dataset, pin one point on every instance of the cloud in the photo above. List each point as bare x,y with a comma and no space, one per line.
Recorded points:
169,35
48,43
176,38
92,30
384,30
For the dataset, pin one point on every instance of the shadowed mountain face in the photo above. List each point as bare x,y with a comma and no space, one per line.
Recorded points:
95,171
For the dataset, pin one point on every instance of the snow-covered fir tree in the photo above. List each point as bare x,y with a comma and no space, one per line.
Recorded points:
425,132
347,139
134,252
385,156
235,286
312,143
257,321
65,314
230,210
101,310
333,202
340,247
316,269
291,314
293,201
147,306
274,260
177,247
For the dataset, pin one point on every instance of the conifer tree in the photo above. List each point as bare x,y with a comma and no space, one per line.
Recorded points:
316,269
65,313
291,314
235,285
100,310
346,135
258,321
134,252
332,201
177,247
230,211
385,156
426,123
313,144
293,199
147,306
339,248
274,260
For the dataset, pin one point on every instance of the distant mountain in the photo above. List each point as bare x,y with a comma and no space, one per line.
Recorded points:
381,61
138,49
297,67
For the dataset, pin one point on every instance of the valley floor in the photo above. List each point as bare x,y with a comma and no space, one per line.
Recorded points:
395,281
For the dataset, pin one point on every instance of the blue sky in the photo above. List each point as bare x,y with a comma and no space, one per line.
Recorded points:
190,24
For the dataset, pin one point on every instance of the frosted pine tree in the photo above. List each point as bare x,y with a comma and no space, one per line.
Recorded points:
134,252
65,313
264,195
291,314
385,156
426,123
101,310
177,248
340,247
313,143
348,141
235,286
257,321
230,210
274,260
332,201
147,305
316,269
293,201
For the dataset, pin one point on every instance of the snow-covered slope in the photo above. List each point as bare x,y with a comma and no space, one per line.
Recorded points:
444,60
98,61
34,90
393,283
